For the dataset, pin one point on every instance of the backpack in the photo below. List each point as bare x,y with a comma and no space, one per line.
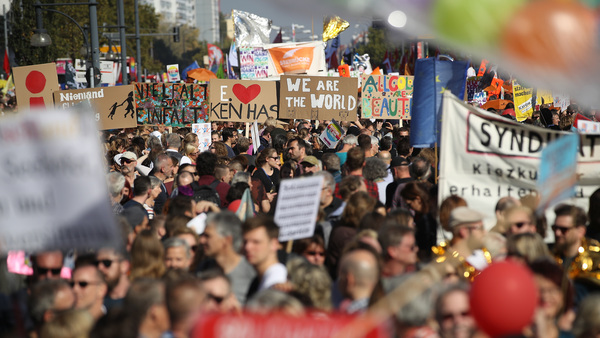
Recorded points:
206,192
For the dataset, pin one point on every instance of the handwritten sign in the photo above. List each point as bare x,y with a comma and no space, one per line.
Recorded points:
242,101
114,106
254,63
332,134
318,98
173,73
203,130
472,84
34,86
297,207
386,96
171,104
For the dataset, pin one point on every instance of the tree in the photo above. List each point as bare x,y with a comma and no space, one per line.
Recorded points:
376,47
184,52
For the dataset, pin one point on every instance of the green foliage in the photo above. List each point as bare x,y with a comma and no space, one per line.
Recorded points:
184,52
376,46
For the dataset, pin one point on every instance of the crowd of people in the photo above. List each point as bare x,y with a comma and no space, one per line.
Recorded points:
187,249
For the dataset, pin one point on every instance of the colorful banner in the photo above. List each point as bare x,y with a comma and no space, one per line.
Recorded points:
173,73
242,101
113,106
523,99
588,127
171,104
472,84
34,86
484,157
203,130
332,134
318,98
386,96
254,63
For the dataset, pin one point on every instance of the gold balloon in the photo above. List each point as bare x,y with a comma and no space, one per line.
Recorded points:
333,26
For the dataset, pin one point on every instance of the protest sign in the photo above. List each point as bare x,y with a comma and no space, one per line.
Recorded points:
318,98
113,105
332,134
242,101
558,174
485,157
543,96
523,98
297,207
561,101
203,130
173,73
53,183
171,104
255,138
296,58
254,63
472,84
588,127
386,96
34,85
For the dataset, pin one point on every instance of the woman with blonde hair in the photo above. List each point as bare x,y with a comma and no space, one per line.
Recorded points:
190,154
147,255
527,246
311,284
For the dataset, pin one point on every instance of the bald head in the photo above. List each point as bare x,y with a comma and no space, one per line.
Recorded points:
385,156
362,265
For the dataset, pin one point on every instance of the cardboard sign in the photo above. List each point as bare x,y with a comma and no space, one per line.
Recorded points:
114,106
171,104
318,98
332,134
242,101
34,86
297,207
49,159
173,73
523,98
254,63
386,96
203,130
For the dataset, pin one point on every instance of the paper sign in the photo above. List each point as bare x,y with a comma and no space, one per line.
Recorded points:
480,98
332,134
242,101
386,96
173,73
318,98
255,138
523,99
254,63
558,174
114,106
48,159
203,130
561,101
588,127
171,104
472,84
34,86
545,96
297,207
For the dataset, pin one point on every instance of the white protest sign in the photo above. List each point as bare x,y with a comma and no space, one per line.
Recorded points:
255,139
203,130
591,127
53,183
484,157
297,207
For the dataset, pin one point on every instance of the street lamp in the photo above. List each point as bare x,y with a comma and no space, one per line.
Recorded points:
40,38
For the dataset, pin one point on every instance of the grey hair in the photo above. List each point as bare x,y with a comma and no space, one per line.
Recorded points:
328,180
374,140
154,182
272,300
42,297
174,140
375,169
226,224
418,310
175,242
350,139
457,287
240,176
116,183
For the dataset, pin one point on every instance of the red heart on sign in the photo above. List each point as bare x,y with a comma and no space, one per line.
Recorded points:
246,94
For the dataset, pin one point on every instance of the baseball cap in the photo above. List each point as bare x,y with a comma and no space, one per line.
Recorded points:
129,155
399,161
311,160
464,215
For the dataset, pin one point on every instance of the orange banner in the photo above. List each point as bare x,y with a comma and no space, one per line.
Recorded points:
292,60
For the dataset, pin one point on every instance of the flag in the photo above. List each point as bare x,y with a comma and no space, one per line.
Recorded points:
331,53
279,37
233,56
6,64
432,78
387,64
188,68
215,55
220,72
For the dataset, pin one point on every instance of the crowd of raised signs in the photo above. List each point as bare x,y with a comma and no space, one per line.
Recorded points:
190,250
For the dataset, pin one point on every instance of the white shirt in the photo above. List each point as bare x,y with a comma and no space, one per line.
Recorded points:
275,274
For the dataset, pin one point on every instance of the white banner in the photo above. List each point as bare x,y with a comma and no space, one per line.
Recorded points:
485,157
53,184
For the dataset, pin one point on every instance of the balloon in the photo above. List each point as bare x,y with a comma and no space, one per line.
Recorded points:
558,36
504,298
473,22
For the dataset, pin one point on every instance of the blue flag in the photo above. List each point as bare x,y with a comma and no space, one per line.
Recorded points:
188,68
432,78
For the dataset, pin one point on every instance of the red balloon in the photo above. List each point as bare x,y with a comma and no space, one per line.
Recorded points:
504,298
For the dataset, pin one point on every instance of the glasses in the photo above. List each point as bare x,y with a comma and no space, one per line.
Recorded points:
274,157
562,230
106,262
448,316
315,253
521,224
126,160
82,284
44,271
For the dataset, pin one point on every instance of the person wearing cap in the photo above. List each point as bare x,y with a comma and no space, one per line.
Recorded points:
127,163
401,173
466,243
311,164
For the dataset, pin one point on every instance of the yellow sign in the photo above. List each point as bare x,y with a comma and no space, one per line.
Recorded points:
523,101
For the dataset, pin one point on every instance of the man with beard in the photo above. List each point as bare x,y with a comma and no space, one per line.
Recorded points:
114,266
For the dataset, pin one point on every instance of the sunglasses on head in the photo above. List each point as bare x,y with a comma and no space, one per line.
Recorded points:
44,271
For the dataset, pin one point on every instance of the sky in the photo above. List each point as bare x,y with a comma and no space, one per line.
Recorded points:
283,16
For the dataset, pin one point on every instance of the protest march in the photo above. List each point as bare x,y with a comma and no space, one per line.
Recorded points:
287,194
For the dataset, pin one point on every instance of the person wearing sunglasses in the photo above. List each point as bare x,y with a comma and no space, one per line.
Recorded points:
519,220
47,265
453,312
90,288
219,296
312,249
115,268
